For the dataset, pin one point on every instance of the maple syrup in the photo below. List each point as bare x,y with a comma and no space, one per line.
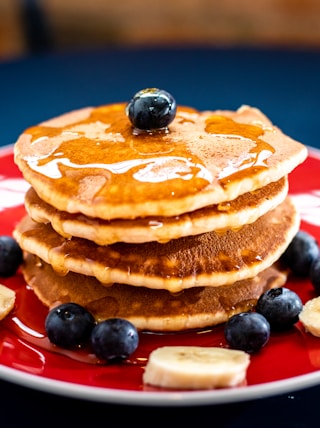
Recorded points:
155,164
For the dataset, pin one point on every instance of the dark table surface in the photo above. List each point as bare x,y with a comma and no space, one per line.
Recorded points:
284,84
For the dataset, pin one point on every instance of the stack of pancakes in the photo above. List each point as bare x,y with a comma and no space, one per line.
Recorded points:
173,230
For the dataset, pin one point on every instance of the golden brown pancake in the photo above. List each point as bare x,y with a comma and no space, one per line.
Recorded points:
172,230
89,161
210,259
231,214
155,310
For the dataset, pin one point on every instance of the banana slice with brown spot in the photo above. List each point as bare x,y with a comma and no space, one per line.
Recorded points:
310,316
7,300
196,367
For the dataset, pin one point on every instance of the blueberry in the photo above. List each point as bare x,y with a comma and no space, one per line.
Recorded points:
114,339
247,331
69,325
300,253
280,306
151,109
10,256
315,274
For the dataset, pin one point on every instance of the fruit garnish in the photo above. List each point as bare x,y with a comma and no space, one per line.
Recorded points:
7,300
10,256
69,325
195,367
247,331
114,339
151,109
310,316
280,306
300,254
314,274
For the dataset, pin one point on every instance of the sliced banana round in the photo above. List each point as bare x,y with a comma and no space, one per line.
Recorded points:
7,300
196,367
310,316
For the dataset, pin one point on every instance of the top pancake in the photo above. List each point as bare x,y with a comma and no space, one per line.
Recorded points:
90,161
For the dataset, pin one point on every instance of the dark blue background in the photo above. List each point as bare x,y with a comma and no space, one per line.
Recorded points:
285,85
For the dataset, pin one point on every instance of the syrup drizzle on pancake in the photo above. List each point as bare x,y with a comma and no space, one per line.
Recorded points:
256,156
145,158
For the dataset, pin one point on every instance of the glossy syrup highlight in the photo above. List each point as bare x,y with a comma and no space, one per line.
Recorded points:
125,167
103,151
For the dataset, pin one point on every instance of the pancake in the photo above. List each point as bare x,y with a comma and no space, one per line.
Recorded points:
90,161
172,229
233,214
155,310
211,259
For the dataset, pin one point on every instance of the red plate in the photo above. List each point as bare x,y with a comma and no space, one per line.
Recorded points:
290,360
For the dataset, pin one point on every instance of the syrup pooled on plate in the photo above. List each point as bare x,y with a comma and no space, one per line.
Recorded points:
24,346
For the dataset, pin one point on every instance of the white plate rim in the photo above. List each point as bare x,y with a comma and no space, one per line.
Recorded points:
154,398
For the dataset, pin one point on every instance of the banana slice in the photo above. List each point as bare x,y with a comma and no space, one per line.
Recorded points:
196,367
310,316
7,300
